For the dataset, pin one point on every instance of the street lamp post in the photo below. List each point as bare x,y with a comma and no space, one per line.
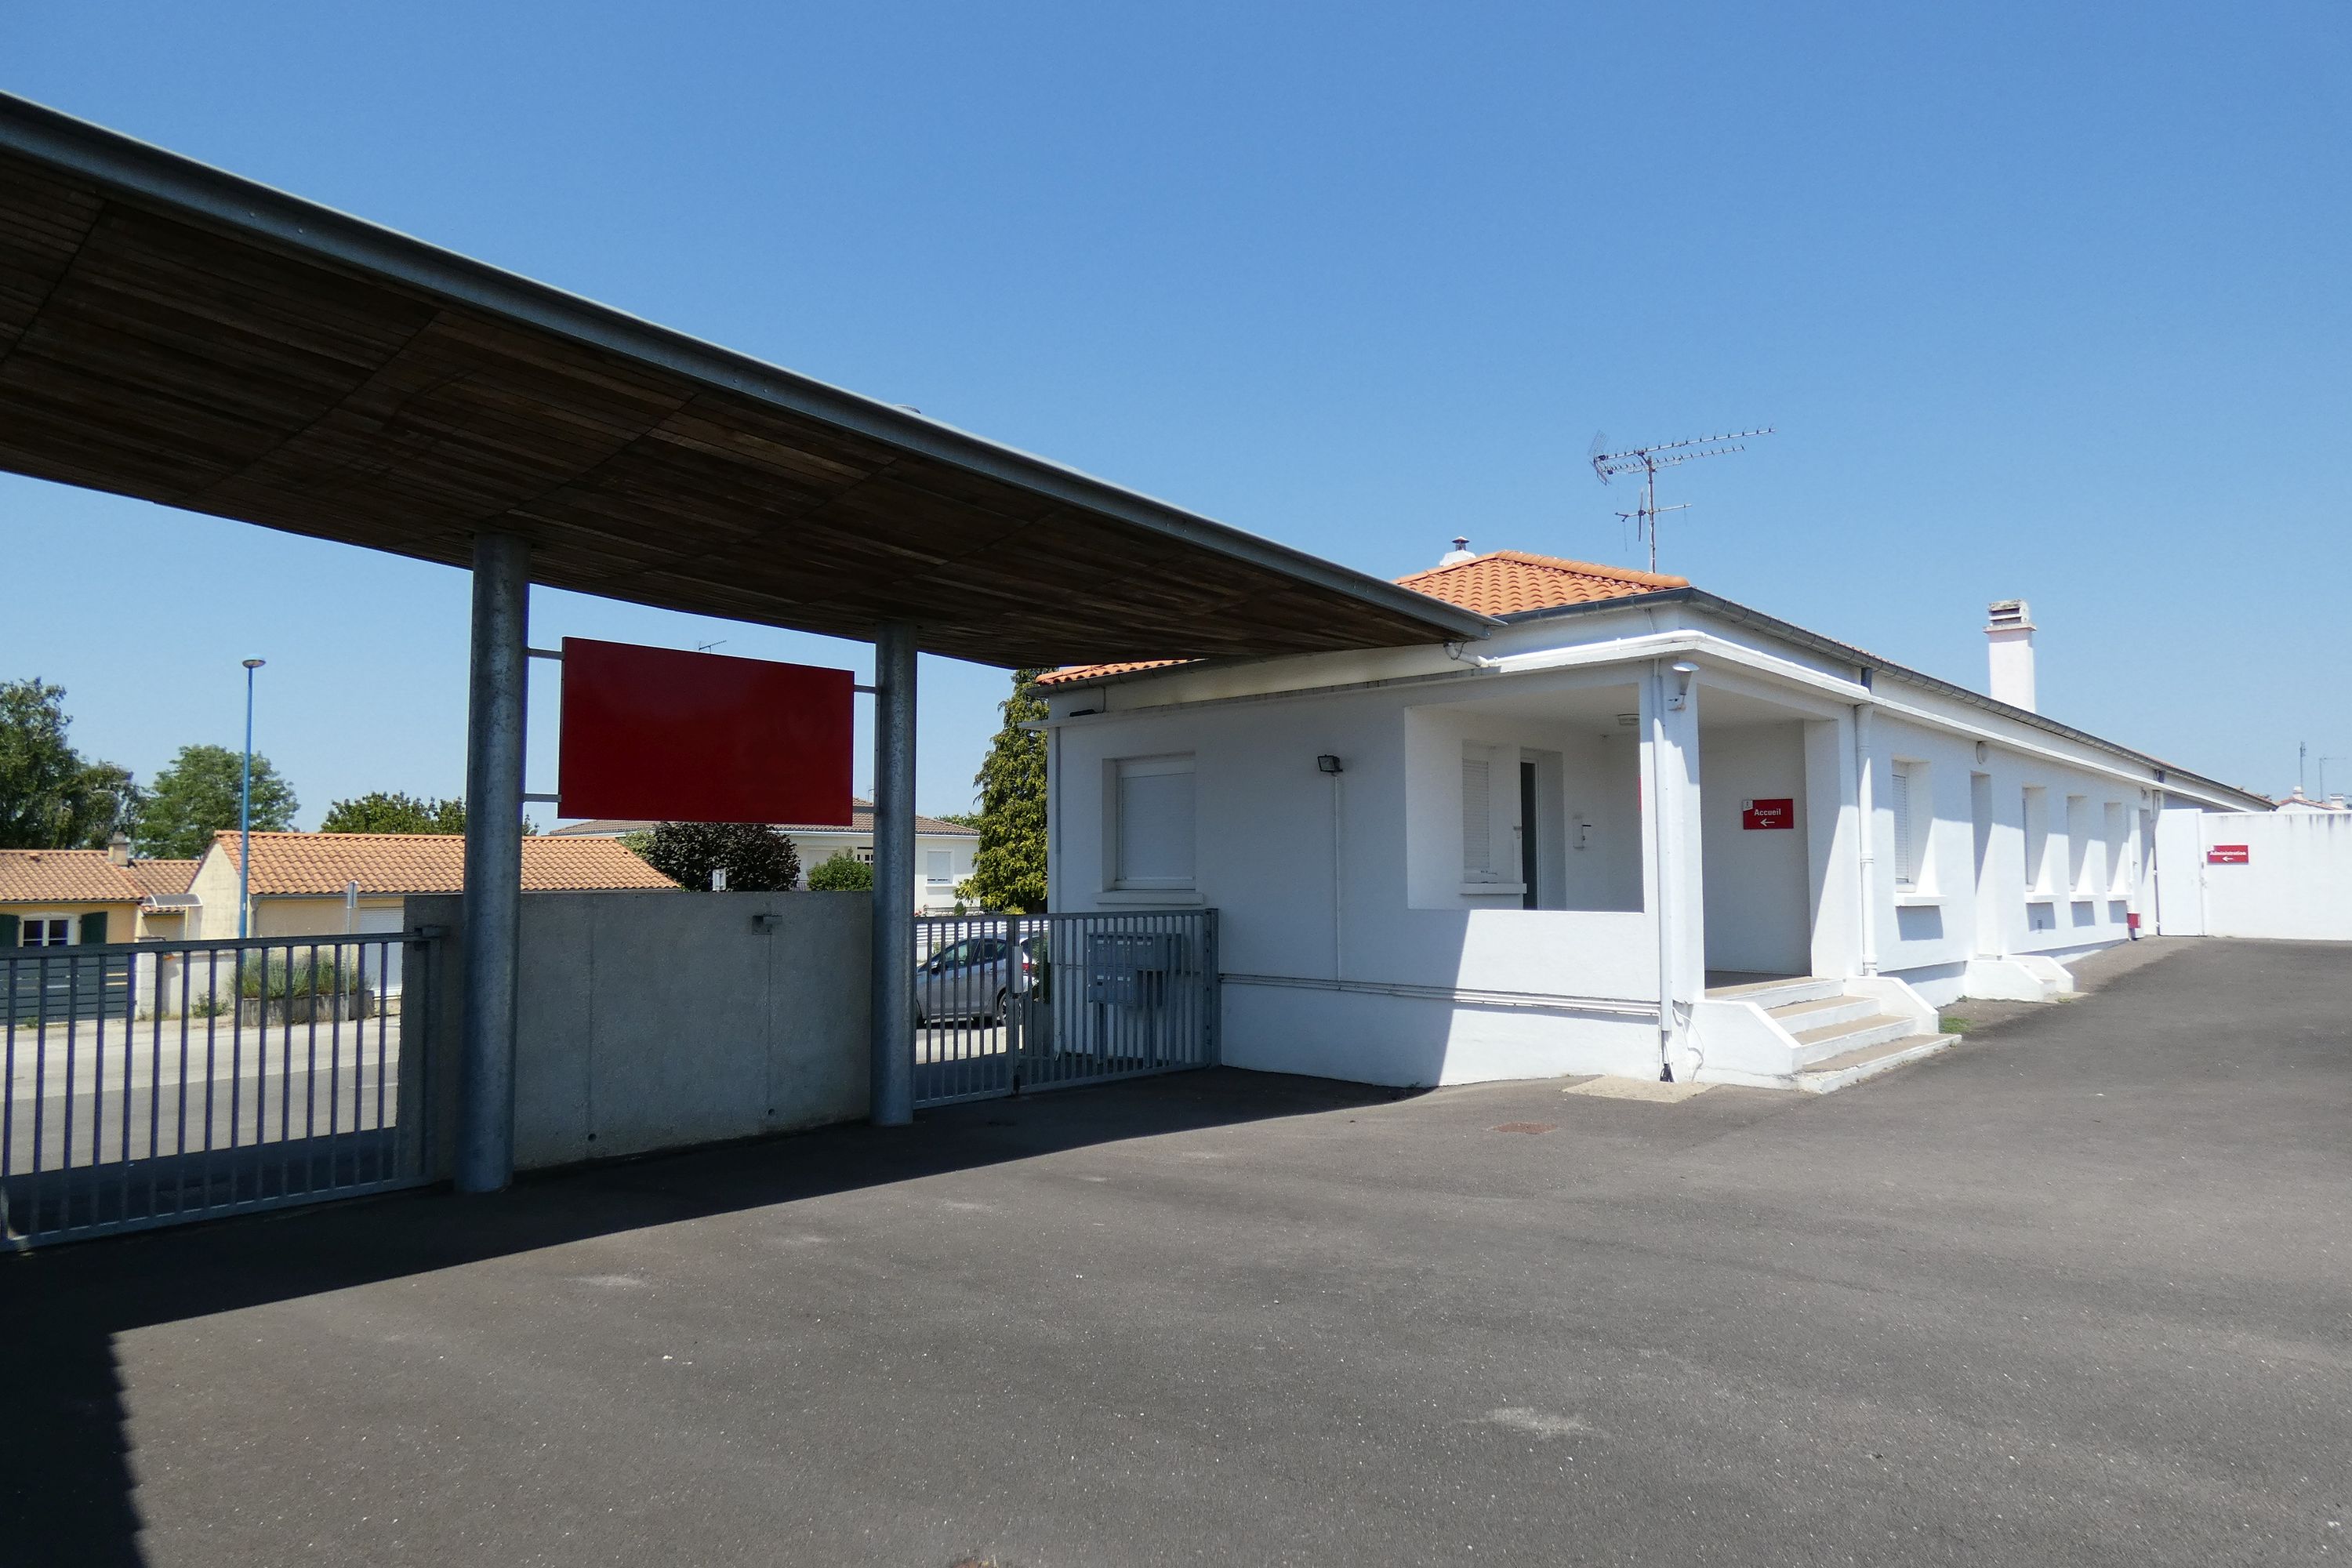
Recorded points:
245,813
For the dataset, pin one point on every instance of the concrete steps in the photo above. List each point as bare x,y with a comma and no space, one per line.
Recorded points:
1810,1033
1835,1073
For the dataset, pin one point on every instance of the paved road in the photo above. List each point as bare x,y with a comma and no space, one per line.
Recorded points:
2076,1291
265,1085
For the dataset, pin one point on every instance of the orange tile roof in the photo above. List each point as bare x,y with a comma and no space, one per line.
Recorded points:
1499,582
63,876
160,879
1512,582
321,863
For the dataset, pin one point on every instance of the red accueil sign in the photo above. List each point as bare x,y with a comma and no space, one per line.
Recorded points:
1757,814
660,734
2229,855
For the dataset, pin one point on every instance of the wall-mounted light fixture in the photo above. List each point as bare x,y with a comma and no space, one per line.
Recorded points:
1683,671
1983,751
1327,763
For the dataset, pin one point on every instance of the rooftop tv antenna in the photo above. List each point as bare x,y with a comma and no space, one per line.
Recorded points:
1647,460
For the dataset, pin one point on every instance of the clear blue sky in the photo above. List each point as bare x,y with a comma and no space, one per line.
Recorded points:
2046,301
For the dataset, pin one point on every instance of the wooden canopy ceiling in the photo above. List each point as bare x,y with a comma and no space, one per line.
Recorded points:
175,333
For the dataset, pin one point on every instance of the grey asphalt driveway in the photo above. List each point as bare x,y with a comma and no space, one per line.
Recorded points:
2078,1291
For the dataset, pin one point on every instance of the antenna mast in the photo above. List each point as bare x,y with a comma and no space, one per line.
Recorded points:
1647,460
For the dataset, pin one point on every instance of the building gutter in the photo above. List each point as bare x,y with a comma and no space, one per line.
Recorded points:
1657,645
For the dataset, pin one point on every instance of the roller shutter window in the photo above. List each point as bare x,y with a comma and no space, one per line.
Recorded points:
1477,817
1906,858
1152,809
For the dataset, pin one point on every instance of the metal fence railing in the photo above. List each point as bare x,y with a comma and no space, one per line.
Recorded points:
151,1082
1008,1003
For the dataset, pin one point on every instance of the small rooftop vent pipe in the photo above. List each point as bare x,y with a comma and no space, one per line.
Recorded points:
1458,554
2010,631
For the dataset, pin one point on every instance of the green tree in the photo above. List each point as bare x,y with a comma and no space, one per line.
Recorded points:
50,797
196,796
842,874
1008,873
960,818
384,811
757,858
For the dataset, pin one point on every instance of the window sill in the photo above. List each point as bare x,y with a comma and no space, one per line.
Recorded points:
1149,896
1494,890
1918,901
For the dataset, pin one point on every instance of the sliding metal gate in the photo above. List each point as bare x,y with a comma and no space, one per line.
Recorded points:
1009,1003
152,1082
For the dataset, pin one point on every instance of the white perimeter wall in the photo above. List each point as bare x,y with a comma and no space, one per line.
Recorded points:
2296,883
659,1020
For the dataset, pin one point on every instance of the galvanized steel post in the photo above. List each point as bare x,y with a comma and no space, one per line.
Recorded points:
494,752
893,997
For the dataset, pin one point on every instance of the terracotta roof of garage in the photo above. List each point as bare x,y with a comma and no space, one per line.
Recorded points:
319,864
177,333
163,878
1499,582
63,876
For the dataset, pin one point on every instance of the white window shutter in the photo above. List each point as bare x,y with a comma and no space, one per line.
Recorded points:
1478,820
1906,865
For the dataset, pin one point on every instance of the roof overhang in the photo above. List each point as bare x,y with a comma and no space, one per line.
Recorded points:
180,335
1830,648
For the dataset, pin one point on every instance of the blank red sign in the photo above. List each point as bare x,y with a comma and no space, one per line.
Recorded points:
657,734
1769,814
2229,855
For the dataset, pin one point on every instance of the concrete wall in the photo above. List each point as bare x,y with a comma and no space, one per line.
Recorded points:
1356,883
121,918
657,1020
2294,885
1758,893
2077,899
1353,948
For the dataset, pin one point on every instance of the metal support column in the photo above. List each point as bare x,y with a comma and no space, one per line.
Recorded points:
894,876
494,738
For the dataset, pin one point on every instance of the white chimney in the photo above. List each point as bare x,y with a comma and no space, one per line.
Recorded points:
2010,633
1458,554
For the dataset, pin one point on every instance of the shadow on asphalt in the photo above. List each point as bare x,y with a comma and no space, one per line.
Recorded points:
65,1482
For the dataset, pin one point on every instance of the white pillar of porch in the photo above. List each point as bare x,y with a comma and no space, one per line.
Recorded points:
1673,874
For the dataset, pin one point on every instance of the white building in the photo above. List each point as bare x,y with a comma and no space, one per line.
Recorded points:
943,850
2299,801
1491,860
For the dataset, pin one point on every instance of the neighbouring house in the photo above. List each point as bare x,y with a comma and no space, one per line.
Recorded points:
70,897
66,898
943,850
60,898
2299,801
323,884
1639,828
